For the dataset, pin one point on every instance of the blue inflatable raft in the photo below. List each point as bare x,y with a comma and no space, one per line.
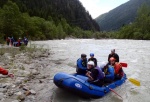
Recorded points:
79,85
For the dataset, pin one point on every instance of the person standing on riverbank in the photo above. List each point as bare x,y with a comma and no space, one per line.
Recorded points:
8,40
12,41
25,41
82,64
113,54
5,72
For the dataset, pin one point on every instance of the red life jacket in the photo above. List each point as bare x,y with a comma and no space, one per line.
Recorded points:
118,69
3,71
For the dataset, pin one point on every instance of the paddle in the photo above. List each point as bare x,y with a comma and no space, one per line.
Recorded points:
115,92
134,81
124,64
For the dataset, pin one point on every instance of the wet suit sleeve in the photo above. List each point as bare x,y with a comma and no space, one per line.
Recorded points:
3,71
111,73
94,74
79,64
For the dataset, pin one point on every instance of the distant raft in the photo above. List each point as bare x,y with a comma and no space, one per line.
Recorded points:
78,84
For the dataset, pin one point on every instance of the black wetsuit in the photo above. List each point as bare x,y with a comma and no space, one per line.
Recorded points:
94,75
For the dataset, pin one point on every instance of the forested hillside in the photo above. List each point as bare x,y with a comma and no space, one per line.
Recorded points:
120,16
45,19
71,10
140,29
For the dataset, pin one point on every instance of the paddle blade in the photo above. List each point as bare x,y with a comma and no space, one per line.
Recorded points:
124,64
134,81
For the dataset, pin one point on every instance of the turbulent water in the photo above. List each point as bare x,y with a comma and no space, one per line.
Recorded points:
135,53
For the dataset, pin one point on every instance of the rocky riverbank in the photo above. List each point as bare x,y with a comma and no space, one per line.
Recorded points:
31,67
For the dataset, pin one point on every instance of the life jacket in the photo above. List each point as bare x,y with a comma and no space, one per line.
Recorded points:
3,71
118,69
101,74
106,71
84,63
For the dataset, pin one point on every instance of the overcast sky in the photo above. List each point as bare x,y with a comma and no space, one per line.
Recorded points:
98,7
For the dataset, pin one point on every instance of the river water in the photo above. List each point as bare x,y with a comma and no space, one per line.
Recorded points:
135,53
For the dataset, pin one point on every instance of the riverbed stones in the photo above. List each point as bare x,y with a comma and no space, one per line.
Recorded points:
3,90
15,101
18,93
1,95
33,92
21,97
26,67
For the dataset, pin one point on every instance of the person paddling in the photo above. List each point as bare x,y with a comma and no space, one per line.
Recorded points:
113,54
5,72
117,67
82,64
93,59
95,74
109,72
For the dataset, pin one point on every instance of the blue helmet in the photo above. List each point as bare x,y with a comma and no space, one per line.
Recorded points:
91,54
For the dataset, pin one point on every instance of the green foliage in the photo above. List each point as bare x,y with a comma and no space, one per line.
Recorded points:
71,10
17,24
120,16
140,29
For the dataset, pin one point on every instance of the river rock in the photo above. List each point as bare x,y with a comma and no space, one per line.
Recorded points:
21,97
15,101
10,93
3,90
13,86
33,92
35,72
1,95
18,93
25,88
18,82
27,93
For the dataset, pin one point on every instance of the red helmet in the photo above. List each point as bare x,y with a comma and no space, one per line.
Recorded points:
112,59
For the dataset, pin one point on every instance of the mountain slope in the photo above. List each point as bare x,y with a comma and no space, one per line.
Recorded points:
120,16
72,10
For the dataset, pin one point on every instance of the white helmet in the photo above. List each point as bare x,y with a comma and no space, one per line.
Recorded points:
103,64
90,63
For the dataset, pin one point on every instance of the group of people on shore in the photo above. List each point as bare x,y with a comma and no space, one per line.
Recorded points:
11,41
106,73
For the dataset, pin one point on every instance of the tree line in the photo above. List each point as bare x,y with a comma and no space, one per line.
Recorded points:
17,24
139,29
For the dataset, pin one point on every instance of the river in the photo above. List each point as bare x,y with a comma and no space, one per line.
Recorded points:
134,52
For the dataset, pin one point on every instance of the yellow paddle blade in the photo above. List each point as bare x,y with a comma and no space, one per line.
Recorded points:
134,81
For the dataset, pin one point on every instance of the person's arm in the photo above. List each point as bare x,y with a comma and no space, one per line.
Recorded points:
111,73
88,74
79,64
94,74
